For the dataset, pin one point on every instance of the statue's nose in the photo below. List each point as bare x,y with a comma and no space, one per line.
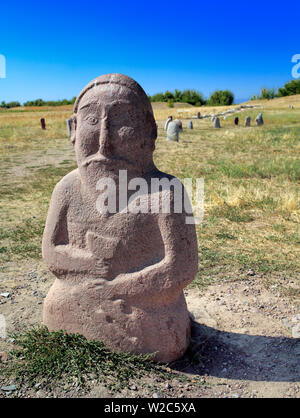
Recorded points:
104,143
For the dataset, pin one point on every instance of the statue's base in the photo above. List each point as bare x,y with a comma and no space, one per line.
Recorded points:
163,329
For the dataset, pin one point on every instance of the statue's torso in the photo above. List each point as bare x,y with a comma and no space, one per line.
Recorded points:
126,242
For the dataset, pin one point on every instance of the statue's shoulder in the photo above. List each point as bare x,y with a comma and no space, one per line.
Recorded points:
169,188
159,175
166,181
67,186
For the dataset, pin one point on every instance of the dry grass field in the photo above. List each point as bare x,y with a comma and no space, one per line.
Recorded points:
251,179
252,201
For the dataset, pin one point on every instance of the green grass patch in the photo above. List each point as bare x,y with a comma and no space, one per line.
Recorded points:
263,168
22,241
42,180
47,358
30,228
232,213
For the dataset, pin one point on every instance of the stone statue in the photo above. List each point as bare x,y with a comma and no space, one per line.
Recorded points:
68,123
173,131
170,118
248,121
119,274
43,123
259,119
216,123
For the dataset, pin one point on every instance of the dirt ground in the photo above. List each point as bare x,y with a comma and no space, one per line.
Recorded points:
240,330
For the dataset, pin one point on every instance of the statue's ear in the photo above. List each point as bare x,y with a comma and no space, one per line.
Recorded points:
73,129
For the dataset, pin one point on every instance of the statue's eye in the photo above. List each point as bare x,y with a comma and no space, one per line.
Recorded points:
91,120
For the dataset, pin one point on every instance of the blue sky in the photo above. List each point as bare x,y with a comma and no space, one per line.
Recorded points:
54,48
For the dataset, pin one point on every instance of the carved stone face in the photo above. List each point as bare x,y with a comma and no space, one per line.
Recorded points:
112,133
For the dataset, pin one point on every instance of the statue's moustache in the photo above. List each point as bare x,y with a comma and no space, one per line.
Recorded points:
106,160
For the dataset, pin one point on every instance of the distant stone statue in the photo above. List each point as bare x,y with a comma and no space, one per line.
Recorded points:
190,125
43,123
216,123
173,131
259,120
167,122
120,267
68,123
248,121
236,120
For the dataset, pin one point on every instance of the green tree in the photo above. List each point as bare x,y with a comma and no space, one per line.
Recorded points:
168,96
289,89
192,97
267,93
158,97
221,98
12,104
177,96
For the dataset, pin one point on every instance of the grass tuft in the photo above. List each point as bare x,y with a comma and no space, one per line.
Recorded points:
46,358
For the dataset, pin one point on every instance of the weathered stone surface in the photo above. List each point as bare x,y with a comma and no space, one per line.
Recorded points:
259,120
248,121
216,123
179,123
167,122
120,276
190,125
173,131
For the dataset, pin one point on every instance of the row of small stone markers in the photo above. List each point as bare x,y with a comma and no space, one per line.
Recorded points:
259,121
173,127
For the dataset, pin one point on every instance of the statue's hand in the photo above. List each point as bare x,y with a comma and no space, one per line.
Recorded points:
102,247
104,250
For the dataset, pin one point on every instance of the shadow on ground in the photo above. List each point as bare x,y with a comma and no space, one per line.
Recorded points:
240,356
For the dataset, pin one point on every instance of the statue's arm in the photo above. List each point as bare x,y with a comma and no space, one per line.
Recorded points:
178,268
59,255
